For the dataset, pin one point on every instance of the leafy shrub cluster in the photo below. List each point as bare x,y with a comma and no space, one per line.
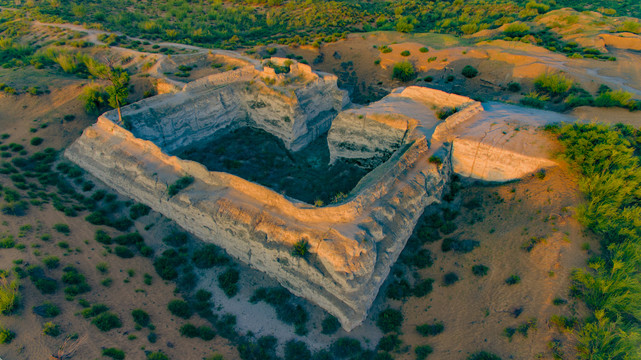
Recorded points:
403,71
559,89
179,185
75,282
608,162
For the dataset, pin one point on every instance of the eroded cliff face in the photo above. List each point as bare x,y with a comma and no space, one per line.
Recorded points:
296,107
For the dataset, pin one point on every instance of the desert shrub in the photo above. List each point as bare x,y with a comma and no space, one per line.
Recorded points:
422,352
557,301
35,141
346,347
51,329
516,29
51,262
9,295
513,279
113,353
423,287
94,310
189,330
424,50
6,335
428,78
123,252
47,310
435,160
228,282
106,321
330,325
297,350
166,265
208,256
533,241
62,228
179,185
301,249
138,210
176,239
564,323
158,355
206,333
389,320
514,86
405,53
398,290
480,270
553,84
403,71
483,355
445,112
450,278
129,239
534,100
430,329
616,98
7,242
180,308
469,71
102,267
44,284
140,317
102,237
389,343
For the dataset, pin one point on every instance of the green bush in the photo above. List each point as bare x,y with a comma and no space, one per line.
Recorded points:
450,278
51,329
140,317
9,295
480,270
514,86
179,185
403,71
389,343
330,325
158,355
6,335
469,71
123,252
176,239
423,287
189,330
516,29
297,350
208,256
405,53
301,249
430,329
47,310
424,50
513,279
346,348
138,210
422,352
389,320
106,321
553,84
35,141
228,282
62,228
51,262
102,237
483,355
534,100
113,353
617,98
180,308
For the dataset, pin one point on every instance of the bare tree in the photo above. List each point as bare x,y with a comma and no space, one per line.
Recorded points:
68,348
